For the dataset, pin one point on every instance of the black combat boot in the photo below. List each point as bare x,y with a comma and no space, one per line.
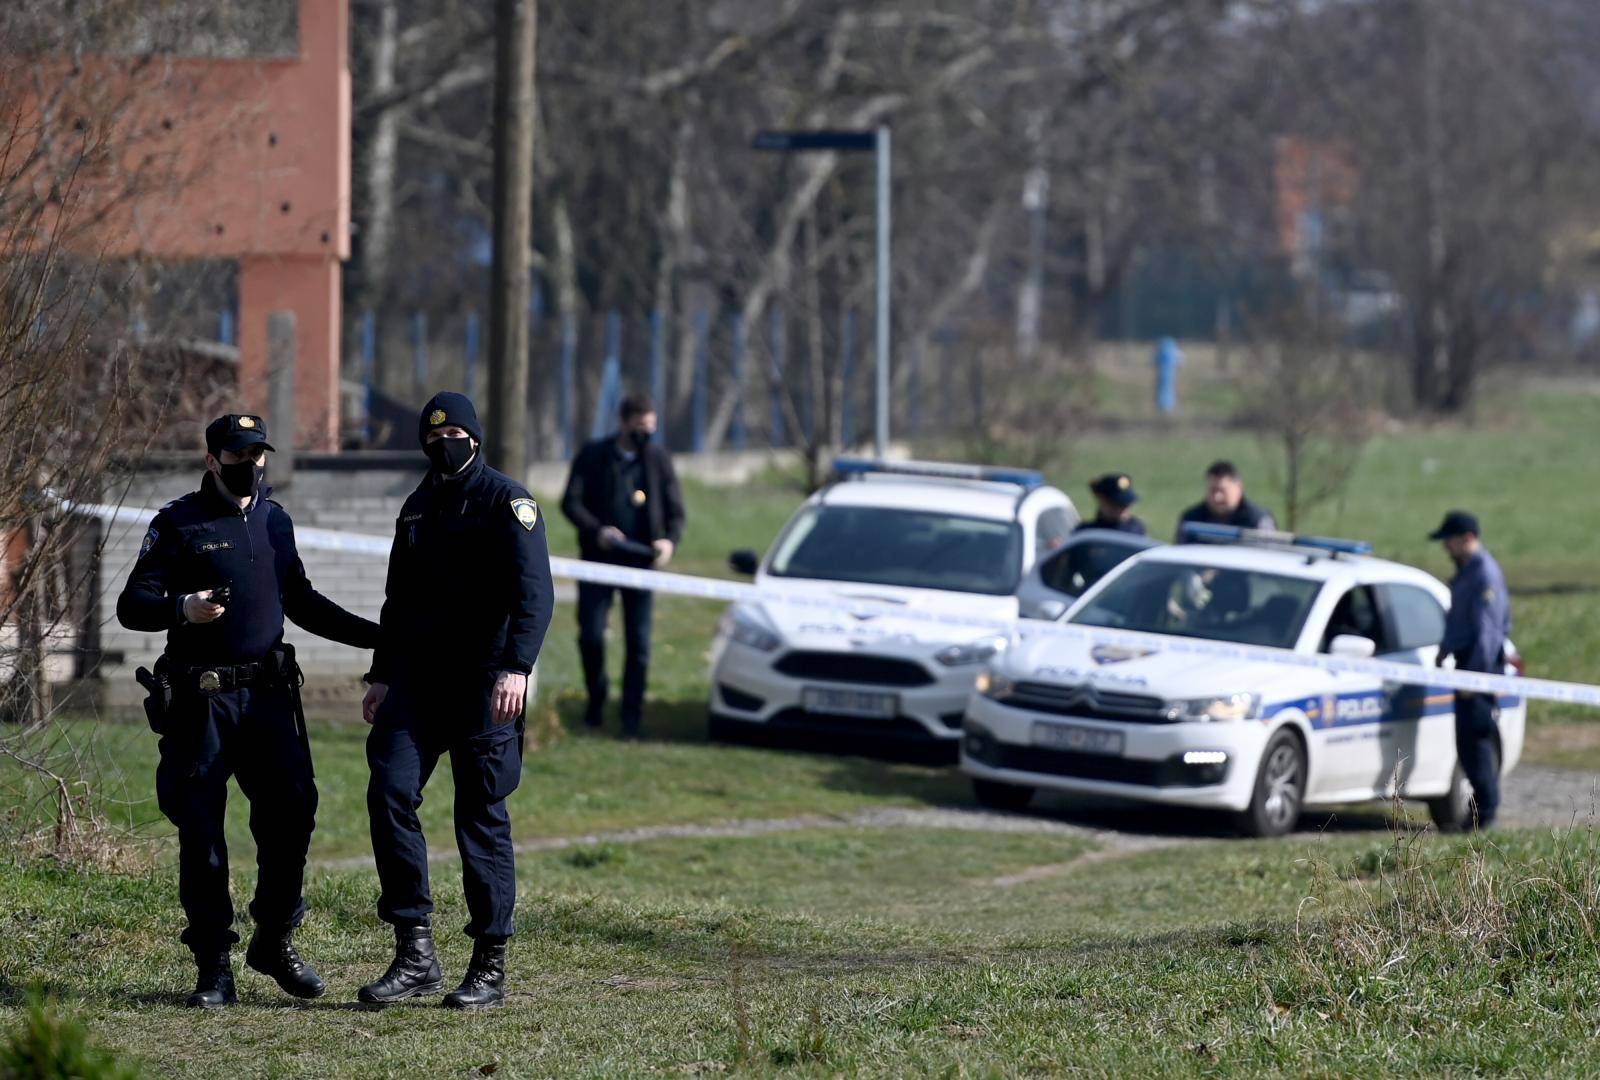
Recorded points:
214,987
273,954
484,986
414,972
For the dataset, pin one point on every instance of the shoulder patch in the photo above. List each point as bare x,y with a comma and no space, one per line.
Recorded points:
150,539
526,512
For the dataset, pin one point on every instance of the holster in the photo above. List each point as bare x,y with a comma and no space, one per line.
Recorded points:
286,670
158,699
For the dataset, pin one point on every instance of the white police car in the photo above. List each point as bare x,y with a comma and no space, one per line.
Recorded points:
1260,738
929,538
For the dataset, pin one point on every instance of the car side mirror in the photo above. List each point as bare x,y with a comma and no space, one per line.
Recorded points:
1051,610
1353,646
744,561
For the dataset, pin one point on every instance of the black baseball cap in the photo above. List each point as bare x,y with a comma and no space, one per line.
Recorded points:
1456,523
1118,487
235,432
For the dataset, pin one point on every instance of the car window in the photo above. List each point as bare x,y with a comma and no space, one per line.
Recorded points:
1193,600
914,549
1055,525
1072,571
1357,614
1418,618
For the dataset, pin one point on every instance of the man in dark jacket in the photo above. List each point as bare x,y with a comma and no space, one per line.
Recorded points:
218,571
1225,503
466,608
623,496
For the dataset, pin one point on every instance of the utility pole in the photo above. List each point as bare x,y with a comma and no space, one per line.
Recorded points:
515,22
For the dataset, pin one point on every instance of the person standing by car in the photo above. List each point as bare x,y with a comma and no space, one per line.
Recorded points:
1475,634
623,497
1114,498
219,571
1225,502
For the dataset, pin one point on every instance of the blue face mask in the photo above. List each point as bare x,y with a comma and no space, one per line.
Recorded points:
449,456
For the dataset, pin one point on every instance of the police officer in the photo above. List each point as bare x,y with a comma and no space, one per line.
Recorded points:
218,571
623,497
1114,498
1475,634
468,602
1225,503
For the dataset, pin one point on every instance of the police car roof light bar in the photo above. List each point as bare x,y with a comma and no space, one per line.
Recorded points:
1203,532
850,467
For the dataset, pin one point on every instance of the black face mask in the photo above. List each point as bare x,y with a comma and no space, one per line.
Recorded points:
640,439
449,456
242,478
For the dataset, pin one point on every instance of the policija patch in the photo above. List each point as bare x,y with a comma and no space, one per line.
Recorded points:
149,542
527,512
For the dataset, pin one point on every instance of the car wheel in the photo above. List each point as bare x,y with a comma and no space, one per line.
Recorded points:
1457,811
721,729
998,796
1280,789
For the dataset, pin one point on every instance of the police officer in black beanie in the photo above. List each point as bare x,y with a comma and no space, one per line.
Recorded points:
218,571
468,602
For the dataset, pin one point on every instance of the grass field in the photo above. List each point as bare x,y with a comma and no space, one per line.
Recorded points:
835,947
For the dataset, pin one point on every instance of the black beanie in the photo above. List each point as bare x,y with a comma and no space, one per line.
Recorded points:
447,408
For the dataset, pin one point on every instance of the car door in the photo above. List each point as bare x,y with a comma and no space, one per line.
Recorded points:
1359,747
1415,621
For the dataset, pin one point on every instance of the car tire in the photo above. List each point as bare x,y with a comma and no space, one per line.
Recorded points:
1457,811
722,729
997,796
1280,789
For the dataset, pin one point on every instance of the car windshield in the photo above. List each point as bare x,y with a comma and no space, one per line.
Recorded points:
1218,603
914,549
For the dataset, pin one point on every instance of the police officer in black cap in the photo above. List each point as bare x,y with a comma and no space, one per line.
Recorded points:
218,571
1114,498
469,599
1475,633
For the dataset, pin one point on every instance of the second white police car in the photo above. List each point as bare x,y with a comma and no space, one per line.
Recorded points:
926,537
1258,738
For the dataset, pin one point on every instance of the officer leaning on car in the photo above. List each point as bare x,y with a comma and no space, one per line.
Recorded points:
1225,502
1475,633
623,497
467,604
1114,498
218,571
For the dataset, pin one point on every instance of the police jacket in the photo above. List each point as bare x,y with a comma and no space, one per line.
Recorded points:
469,585
597,495
204,540
1128,524
1247,515
1479,622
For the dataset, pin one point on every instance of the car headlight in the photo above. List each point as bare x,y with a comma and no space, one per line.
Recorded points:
992,684
748,629
973,652
1215,710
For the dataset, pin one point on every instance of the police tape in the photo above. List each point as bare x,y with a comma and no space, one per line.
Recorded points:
1137,642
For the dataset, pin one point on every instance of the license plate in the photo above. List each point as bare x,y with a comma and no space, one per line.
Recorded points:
858,703
1080,740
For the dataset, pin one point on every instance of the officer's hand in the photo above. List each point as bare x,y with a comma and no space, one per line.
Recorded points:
510,691
664,550
374,697
610,536
198,608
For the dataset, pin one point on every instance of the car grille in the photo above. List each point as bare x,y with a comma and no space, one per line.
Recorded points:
1089,703
1120,770
859,668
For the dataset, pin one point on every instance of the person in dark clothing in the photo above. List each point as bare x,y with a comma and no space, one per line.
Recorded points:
467,604
1475,633
1114,498
1225,503
218,571
623,497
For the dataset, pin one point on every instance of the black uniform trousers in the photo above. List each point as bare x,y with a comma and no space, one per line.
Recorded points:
1477,731
414,728
253,735
594,610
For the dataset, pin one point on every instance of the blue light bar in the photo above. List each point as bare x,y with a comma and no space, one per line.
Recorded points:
848,467
1202,532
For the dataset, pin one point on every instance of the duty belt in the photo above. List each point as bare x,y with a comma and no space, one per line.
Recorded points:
219,678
